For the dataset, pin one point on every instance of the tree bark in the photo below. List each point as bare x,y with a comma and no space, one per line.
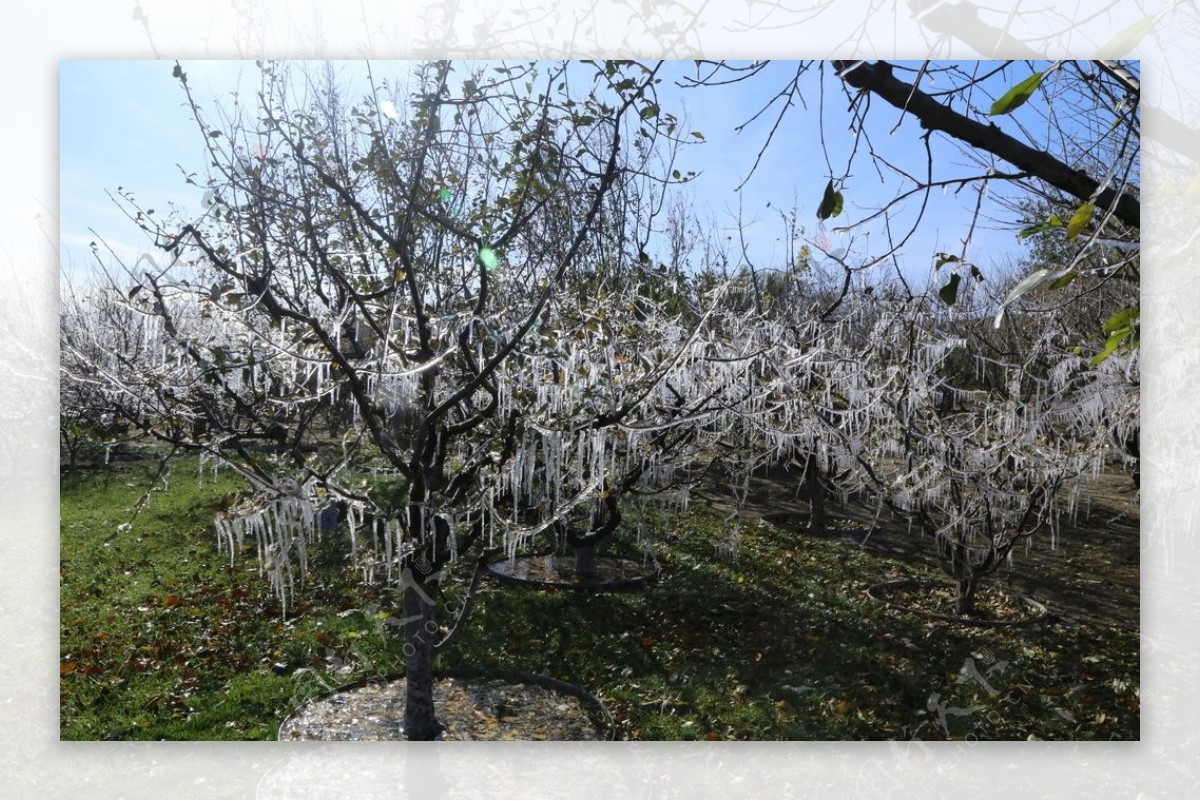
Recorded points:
817,519
967,585
966,577
420,717
585,562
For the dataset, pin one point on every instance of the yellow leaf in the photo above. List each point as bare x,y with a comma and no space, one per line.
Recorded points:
1079,220
1124,42
1016,96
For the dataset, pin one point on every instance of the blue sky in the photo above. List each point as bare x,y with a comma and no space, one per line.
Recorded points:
124,124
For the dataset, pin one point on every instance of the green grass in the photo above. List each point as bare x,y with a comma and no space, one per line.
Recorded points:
163,639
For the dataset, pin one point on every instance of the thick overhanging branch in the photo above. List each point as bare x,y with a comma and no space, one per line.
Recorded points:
961,20
877,78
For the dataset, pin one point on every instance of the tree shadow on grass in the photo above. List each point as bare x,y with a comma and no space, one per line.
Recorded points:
776,641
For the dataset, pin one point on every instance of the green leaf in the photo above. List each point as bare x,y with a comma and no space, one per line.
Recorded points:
1015,98
1028,283
1123,43
469,87
831,203
1066,279
949,293
1110,347
1053,222
698,135
1122,319
1079,220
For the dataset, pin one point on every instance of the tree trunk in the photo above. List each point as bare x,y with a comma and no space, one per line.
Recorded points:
958,565
816,496
420,717
72,446
967,584
585,562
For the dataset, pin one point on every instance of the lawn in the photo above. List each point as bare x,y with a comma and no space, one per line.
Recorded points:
771,638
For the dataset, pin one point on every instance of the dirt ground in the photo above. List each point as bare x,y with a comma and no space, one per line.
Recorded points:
1090,575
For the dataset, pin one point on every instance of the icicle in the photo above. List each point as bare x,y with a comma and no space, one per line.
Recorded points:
387,548
489,511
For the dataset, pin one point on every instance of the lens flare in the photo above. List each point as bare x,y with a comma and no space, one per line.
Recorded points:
488,258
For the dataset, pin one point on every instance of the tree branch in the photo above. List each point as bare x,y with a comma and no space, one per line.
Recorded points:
877,79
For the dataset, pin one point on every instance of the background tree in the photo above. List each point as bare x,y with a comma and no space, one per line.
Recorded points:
895,400
980,470
87,421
